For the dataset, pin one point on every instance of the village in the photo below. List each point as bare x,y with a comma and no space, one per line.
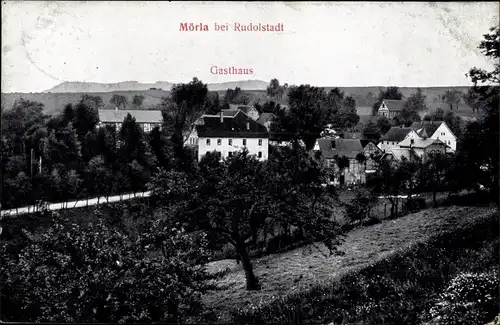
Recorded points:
354,179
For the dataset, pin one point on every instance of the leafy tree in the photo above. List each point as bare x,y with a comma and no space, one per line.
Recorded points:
452,98
414,105
181,112
438,115
99,178
119,101
383,124
309,112
276,91
137,100
435,171
388,93
239,196
95,273
212,104
480,144
359,208
86,115
454,122
371,132
18,190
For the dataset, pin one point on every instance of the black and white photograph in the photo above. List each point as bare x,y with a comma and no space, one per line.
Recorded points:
210,162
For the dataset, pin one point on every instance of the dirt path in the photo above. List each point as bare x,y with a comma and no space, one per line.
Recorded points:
283,273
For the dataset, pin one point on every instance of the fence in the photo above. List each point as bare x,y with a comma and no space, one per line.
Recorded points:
74,204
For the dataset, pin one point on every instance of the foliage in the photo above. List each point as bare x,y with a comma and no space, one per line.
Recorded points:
137,100
469,298
371,132
276,91
414,105
358,209
119,101
383,124
453,98
94,273
311,109
236,96
240,197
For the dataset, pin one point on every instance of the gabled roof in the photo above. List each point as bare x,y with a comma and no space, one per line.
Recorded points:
426,128
420,143
231,127
394,105
244,108
230,112
352,135
365,142
141,116
400,153
340,147
265,117
396,133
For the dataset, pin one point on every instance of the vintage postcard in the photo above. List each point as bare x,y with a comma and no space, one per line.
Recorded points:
250,162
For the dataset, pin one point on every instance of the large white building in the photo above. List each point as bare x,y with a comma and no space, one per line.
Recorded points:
437,130
394,136
229,133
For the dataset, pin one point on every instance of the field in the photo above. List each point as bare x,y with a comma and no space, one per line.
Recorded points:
364,96
304,268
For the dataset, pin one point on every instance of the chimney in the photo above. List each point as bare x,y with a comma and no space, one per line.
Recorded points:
221,117
248,126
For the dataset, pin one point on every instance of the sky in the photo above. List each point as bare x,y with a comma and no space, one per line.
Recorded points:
324,44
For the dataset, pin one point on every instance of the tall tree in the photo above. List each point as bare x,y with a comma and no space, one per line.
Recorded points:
182,111
481,138
137,100
413,107
371,132
383,124
309,112
212,103
86,115
119,101
452,98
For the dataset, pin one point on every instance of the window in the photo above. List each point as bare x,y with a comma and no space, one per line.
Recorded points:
230,141
208,142
219,142
260,154
260,142
244,142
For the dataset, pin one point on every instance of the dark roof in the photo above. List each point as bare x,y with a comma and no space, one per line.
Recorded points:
243,108
352,135
141,116
229,112
394,105
396,133
428,126
364,142
231,127
265,117
340,147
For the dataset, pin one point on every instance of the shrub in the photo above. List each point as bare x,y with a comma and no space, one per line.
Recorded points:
360,206
470,298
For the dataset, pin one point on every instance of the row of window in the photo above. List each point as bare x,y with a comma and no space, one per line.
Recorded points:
230,142
259,154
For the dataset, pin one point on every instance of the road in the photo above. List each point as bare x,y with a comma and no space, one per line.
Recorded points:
76,204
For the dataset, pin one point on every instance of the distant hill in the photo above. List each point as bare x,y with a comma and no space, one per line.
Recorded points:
95,87
365,96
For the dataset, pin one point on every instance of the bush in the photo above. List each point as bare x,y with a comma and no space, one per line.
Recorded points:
470,298
415,204
360,206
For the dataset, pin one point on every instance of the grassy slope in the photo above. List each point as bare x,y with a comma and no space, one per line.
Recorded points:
283,273
364,96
